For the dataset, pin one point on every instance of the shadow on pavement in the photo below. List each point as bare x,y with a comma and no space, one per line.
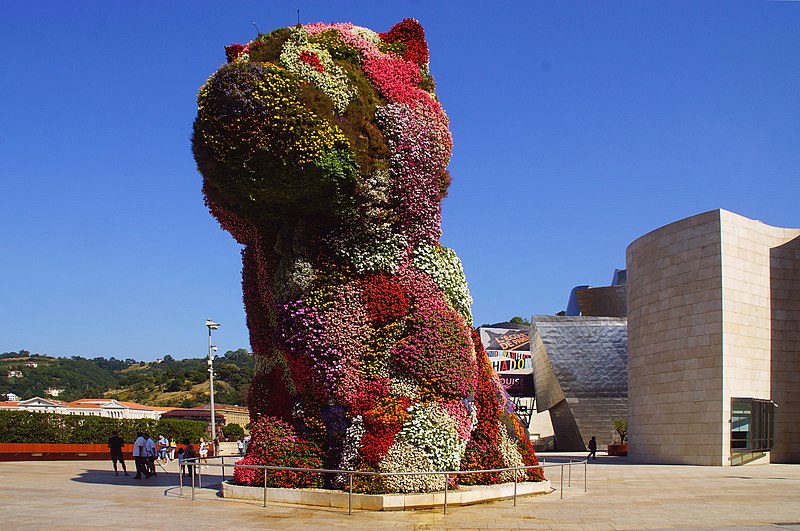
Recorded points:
565,457
161,480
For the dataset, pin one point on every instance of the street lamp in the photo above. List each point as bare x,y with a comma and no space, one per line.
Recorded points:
211,348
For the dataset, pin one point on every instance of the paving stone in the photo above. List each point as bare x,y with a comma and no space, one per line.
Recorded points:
87,495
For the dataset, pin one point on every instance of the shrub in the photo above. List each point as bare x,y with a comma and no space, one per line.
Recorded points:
27,427
233,431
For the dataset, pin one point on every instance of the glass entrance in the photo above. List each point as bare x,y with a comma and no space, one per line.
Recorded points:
752,425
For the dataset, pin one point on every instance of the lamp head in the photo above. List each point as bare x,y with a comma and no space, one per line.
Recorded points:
212,325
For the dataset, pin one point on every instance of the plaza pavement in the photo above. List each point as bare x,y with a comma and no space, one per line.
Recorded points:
87,495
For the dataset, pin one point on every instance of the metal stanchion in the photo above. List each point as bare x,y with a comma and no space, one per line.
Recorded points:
561,483
350,496
515,488
222,459
199,477
445,492
180,480
585,476
193,473
569,474
265,487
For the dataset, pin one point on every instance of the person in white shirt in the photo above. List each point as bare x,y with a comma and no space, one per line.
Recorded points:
140,456
150,446
163,448
203,451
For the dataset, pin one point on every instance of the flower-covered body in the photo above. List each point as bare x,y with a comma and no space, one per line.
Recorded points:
324,152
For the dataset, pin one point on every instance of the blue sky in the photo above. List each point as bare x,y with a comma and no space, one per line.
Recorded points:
578,127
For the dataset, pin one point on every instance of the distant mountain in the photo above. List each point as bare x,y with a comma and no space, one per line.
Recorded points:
170,382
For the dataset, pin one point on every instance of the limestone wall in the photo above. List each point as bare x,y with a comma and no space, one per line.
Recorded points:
785,346
747,308
675,343
713,313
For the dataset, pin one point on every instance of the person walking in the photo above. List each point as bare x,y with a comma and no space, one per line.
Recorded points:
115,444
140,456
240,447
204,451
592,448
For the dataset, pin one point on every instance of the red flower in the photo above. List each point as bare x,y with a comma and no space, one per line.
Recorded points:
367,394
483,449
233,51
410,33
385,298
376,441
274,443
311,59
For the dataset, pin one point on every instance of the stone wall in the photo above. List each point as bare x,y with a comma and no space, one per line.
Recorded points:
785,345
712,312
675,343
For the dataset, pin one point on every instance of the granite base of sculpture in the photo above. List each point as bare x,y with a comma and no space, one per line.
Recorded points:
323,150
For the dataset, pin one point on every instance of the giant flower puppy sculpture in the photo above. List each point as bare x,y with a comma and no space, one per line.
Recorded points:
324,150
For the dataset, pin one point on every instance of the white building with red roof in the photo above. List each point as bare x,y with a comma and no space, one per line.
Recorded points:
96,407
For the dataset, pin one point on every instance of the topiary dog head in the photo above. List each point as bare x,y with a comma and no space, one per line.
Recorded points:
329,127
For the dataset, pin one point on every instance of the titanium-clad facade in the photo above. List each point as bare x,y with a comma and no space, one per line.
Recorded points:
580,374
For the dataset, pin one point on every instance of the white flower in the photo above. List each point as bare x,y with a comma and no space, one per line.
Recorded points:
332,80
511,455
444,266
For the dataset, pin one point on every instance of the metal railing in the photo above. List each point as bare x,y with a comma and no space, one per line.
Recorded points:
517,473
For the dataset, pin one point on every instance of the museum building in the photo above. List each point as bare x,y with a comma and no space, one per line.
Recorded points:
713,305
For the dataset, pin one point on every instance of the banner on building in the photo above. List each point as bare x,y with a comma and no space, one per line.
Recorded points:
510,355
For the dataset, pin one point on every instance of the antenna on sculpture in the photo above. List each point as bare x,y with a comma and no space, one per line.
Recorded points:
257,30
298,17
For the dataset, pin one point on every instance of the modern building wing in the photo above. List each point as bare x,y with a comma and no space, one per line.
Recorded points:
580,375
602,301
714,342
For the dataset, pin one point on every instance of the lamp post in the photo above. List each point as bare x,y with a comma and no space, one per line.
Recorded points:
211,348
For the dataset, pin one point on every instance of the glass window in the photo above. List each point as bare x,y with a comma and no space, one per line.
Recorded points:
752,425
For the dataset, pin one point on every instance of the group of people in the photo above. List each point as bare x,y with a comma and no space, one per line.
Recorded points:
146,452
242,445
144,455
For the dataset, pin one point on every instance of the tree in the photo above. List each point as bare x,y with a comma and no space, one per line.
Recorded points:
233,431
520,320
621,425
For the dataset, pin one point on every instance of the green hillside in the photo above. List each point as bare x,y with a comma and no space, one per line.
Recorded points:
182,383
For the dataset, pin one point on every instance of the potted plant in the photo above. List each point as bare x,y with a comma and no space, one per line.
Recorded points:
621,448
